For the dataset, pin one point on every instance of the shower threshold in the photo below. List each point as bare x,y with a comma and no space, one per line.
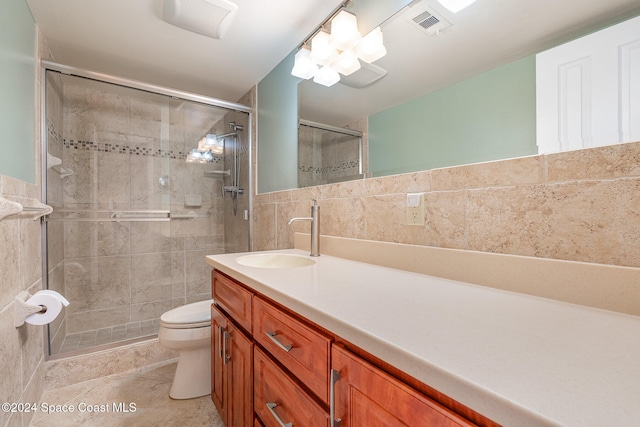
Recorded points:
109,336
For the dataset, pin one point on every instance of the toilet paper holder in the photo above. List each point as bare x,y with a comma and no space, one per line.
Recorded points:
22,310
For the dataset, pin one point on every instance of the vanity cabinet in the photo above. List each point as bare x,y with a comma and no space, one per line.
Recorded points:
273,368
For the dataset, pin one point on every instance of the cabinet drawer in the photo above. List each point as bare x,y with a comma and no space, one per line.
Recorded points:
300,348
368,396
278,400
233,298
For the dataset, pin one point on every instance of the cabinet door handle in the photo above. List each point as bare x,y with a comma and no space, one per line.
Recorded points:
272,336
335,376
227,358
272,408
220,344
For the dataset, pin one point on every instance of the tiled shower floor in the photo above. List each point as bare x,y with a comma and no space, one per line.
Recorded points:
110,335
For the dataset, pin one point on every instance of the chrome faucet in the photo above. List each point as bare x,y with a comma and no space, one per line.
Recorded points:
315,227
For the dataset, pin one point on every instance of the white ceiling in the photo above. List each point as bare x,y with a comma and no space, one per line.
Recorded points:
129,38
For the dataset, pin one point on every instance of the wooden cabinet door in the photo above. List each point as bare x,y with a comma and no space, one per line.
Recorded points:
368,396
232,372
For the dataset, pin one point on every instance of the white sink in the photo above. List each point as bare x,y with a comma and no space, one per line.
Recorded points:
275,261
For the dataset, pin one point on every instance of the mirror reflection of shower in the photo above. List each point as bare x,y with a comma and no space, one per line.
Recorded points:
227,146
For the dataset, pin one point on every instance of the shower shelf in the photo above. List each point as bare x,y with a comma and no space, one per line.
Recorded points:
9,207
55,164
215,174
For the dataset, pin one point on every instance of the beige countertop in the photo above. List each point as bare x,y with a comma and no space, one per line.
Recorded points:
520,360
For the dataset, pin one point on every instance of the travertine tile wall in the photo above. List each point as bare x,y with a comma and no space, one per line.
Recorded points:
580,205
21,349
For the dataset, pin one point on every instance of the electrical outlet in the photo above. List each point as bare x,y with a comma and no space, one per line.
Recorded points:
415,209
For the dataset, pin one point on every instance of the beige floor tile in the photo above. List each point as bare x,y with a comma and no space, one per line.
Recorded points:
145,388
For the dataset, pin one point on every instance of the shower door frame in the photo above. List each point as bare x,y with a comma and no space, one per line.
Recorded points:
132,84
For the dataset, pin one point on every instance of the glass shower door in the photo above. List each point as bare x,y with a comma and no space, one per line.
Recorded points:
132,219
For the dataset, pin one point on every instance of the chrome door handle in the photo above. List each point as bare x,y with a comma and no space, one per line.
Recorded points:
272,337
220,344
227,358
335,376
272,408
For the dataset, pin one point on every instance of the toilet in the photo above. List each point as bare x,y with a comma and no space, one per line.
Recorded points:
188,330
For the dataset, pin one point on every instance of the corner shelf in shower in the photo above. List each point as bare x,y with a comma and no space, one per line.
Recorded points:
55,164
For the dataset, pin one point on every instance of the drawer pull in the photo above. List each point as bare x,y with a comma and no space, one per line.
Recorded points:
272,336
272,408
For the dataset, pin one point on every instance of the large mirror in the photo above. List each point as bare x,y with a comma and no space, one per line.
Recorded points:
459,92
17,91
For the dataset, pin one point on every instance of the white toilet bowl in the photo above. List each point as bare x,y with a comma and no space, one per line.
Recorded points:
188,329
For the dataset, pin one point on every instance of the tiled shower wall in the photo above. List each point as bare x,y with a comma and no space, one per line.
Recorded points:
118,148
580,205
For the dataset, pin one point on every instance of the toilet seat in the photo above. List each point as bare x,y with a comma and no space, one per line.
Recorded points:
194,315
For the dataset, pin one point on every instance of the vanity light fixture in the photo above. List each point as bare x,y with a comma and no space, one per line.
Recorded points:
337,52
344,31
456,6
322,53
210,142
371,47
208,145
303,66
326,76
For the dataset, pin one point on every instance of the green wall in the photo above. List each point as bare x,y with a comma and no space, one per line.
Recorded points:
278,129
17,90
487,117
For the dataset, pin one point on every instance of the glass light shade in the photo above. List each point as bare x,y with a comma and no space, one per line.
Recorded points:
207,156
327,76
347,63
455,5
371,47
321,51
210,142
344,31
194,156
303,66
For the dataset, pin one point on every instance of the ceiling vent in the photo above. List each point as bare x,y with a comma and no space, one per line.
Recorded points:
425,19
209,17
366,75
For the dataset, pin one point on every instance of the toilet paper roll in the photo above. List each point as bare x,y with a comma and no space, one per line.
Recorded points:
52,300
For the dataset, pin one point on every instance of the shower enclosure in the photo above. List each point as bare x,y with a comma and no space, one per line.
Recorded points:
328,154
140,197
